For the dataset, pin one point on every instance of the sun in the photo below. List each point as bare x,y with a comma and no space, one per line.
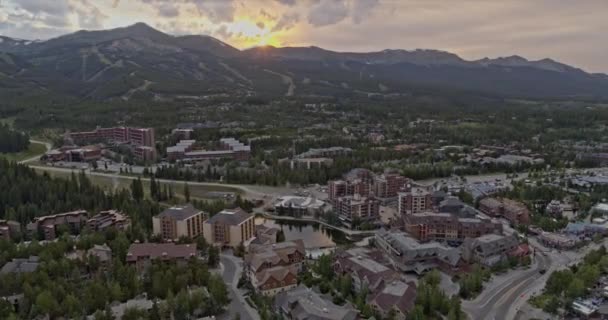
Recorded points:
246,33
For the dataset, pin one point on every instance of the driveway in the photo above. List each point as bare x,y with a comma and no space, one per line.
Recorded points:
232,270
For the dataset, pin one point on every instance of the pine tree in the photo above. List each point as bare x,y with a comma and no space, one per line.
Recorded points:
154,189
187,192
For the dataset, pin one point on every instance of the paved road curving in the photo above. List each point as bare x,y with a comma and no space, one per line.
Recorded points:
232,271
495,302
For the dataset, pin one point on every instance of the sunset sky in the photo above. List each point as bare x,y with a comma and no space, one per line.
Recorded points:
573,32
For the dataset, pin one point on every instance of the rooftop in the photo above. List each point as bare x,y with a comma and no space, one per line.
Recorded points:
232,217
180,212
161,250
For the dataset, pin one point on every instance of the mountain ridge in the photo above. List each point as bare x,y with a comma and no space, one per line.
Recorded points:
104,64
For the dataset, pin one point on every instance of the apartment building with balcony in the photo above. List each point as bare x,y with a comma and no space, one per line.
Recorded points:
47,226
415,200
229,228
179,221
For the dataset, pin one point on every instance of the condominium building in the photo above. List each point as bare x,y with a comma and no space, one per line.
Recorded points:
414,201
230,148
516,212
343,188
351,208
447,227
142,254
273,268
229,228
109,219
179,150
179,221
46,226
9,229
389,184
410,255
136,136
489,249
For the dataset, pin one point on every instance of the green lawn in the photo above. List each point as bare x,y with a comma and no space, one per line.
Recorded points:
197,192
33,150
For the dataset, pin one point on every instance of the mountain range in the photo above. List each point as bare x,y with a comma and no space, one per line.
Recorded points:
141,62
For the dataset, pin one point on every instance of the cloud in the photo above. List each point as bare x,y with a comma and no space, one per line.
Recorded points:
328,12
89,16
168,10
217,11
223,32
290,3
265,14
286,22
360,9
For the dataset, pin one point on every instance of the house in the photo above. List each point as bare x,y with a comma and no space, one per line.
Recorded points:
28,265
397,296
229,228
367,268
265,235
143,254
489,249
303,303
273,269
179,221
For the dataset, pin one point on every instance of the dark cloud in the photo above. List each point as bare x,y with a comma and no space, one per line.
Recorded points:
290,3
223,32
286,22
267,15
328,12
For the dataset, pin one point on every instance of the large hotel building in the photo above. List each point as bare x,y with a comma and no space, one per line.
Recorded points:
179,221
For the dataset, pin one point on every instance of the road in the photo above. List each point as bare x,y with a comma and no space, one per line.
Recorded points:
251,192
36,157
499,296
233,267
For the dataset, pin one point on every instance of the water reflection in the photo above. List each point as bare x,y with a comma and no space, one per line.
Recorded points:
313,234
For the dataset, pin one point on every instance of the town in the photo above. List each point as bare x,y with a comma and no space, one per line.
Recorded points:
303,160
366,244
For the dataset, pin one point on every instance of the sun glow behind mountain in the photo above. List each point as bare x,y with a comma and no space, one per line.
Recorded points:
248,34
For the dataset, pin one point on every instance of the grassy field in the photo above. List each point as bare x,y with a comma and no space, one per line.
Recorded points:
33,150
196,192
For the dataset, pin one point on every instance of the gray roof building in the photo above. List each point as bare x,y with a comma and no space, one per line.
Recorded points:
411,255
21,265
231,217
303,303
180,212
489,249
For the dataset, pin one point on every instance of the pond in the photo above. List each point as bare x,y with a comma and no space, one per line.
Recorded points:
314,235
